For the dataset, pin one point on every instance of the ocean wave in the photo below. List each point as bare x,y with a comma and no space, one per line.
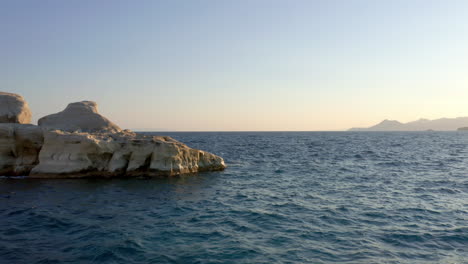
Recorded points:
285,198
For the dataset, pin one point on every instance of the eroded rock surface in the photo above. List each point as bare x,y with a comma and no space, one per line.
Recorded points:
121,154
79,142
19,148
80,116
14,109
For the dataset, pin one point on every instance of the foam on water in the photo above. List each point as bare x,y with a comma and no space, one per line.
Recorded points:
286,198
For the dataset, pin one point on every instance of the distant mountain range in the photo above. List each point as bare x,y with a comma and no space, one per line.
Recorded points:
442,124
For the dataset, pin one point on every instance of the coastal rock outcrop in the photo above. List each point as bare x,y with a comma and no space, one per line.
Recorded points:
79,142
19,148
80,116
123,154
14,109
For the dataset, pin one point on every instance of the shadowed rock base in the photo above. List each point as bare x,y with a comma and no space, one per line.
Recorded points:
19,148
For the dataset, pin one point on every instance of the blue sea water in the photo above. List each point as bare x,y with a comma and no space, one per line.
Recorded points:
287,197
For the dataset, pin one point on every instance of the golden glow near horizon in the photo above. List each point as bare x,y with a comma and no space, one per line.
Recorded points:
220,66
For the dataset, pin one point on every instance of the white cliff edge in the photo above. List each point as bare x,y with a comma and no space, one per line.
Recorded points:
85,144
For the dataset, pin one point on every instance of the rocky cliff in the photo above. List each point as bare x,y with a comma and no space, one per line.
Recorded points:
14,109
20,145
79,142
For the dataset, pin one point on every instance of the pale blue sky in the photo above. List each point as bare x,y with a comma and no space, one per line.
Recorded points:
239,65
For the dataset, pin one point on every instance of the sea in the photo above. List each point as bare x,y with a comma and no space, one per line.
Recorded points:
286,197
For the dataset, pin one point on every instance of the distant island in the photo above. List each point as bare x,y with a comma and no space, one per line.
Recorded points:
442,124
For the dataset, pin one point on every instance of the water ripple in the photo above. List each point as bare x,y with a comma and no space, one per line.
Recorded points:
285,198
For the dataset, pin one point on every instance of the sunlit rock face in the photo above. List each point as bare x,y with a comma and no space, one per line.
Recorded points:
80,116
79,142
14,109
123,154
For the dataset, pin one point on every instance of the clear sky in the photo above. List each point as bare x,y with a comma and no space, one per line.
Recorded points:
239,64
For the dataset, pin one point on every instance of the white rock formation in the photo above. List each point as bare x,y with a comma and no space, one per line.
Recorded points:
80,116
14,109
103,151
66,154
19,148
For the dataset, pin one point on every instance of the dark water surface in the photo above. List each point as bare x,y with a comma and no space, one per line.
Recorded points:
312,197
